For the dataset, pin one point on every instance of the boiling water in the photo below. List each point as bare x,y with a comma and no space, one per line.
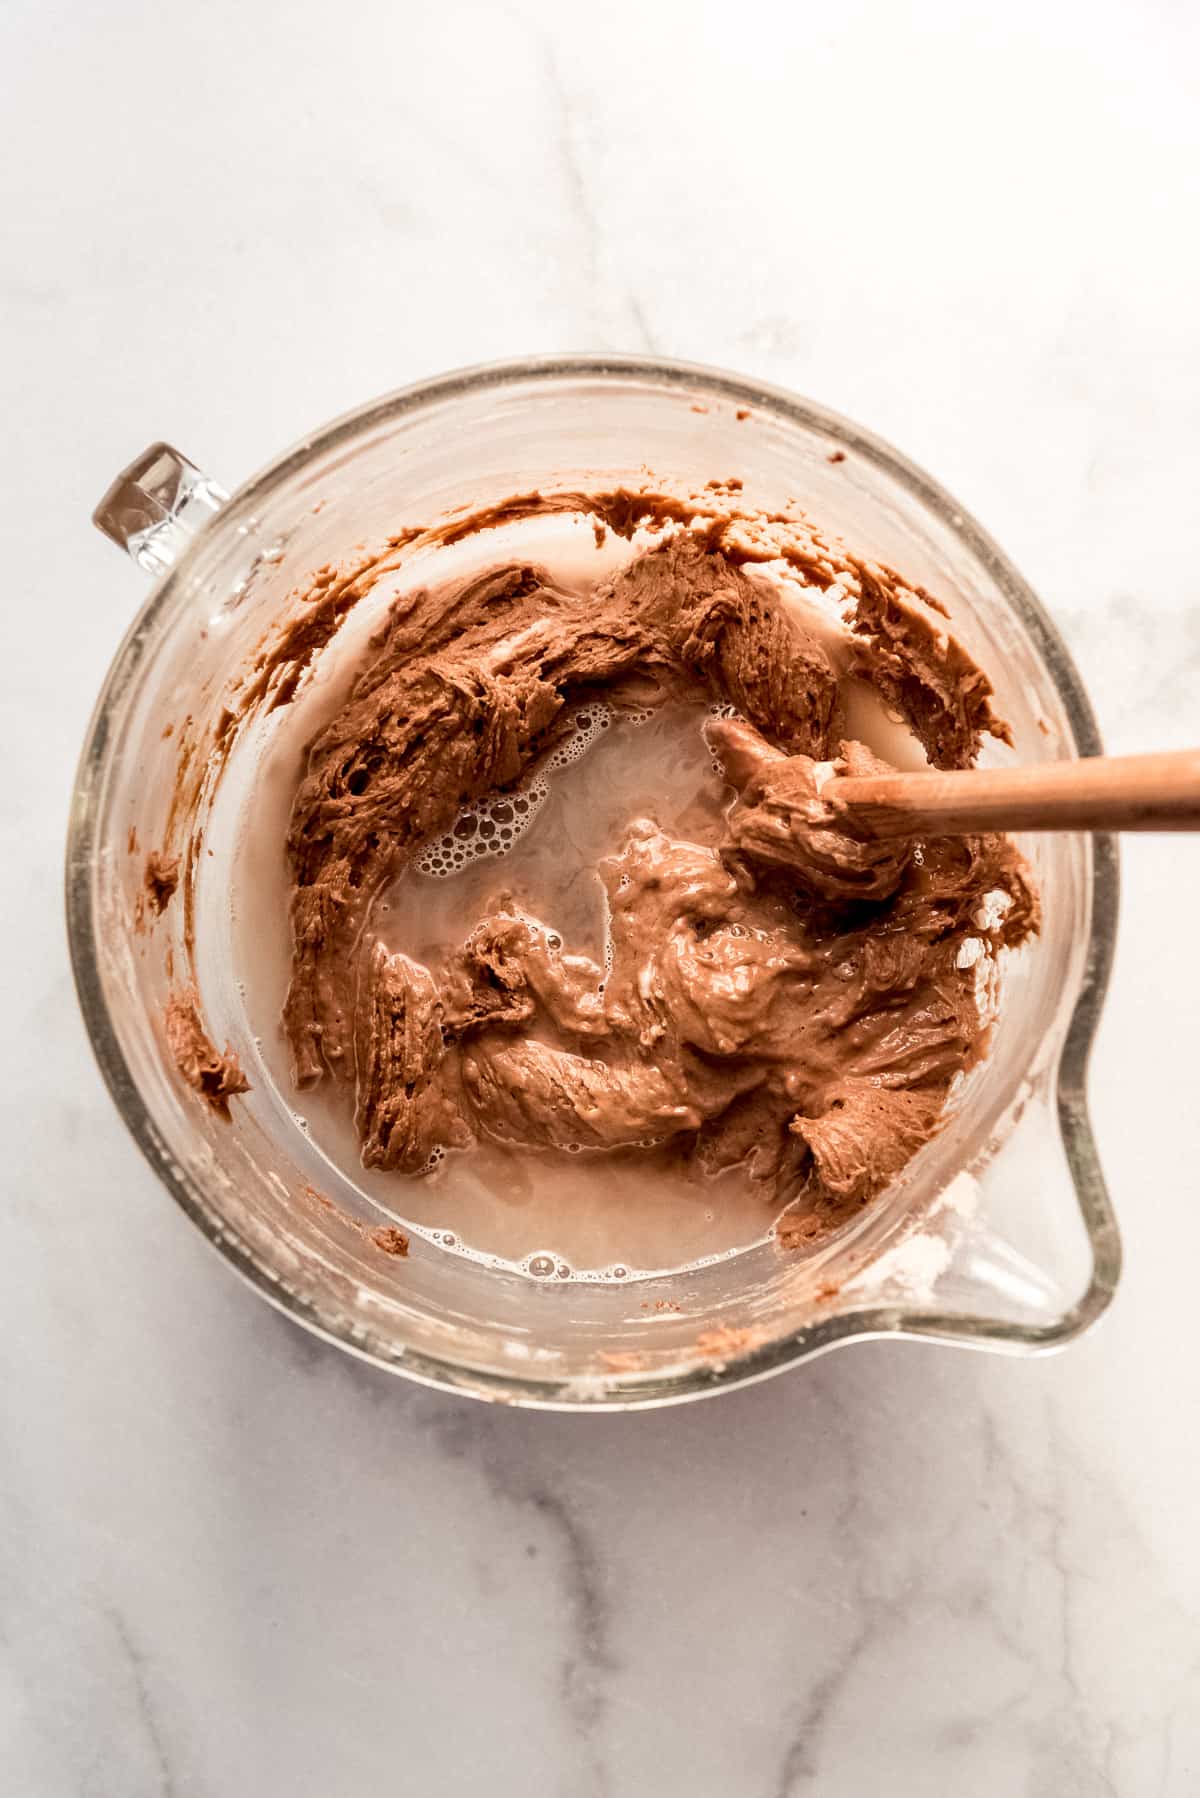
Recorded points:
587,1215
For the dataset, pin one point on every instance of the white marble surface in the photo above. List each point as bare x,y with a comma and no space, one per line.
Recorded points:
231,1561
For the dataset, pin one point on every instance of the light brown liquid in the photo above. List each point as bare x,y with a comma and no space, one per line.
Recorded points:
660,768
584,1215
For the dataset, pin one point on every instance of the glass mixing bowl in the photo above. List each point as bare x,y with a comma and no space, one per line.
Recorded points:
999,1234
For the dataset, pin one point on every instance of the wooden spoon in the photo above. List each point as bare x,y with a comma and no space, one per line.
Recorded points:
1126,792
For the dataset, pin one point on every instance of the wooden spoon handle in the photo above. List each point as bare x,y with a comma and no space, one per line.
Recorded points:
1128,792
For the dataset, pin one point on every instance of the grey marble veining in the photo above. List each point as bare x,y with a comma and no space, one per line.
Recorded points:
234,1561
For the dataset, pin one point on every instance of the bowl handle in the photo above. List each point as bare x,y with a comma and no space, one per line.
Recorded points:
156,505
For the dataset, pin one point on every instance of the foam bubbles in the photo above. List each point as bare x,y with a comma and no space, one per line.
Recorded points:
587,726
491,826
723,711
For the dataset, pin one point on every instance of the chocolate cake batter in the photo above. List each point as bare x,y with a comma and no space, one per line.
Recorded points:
215,1076
789,1000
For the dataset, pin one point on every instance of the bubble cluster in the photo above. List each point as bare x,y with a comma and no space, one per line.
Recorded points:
493,825
489,827
723,711
587,726
547,1266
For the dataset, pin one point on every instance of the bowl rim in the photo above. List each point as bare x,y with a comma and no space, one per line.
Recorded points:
618,1392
